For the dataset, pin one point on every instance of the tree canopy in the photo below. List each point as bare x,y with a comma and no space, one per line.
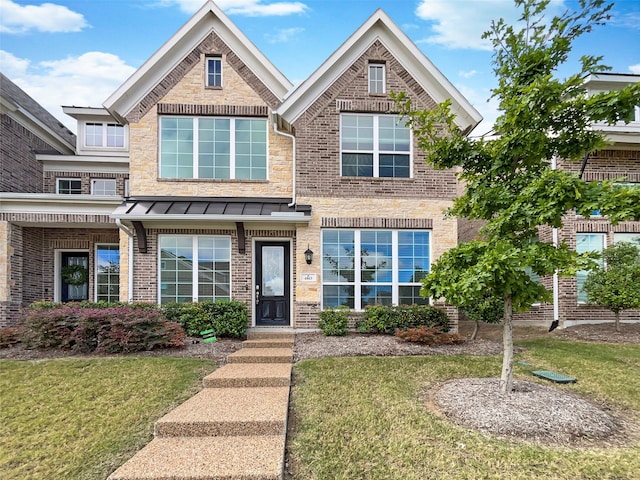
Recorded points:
511,181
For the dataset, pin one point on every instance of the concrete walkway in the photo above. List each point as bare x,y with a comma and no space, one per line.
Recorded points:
234,428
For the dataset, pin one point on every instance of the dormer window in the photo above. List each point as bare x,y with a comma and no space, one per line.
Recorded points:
101,135
377,78
214,72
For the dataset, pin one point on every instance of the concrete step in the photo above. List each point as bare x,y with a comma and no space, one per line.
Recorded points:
250,375
268,343
270,335
228,412
206,458
261,355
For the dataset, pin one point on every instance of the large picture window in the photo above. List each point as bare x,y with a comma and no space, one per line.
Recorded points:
586,242
213,147
375,146
374,267
107,273
194,268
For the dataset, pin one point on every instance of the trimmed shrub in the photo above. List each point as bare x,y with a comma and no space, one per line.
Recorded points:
334,321
429,336
387,319
10,336
106,329
227,318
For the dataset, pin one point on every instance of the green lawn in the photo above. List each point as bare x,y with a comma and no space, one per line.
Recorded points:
363,418
78,419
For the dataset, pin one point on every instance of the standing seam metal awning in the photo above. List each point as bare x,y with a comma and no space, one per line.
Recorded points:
231,209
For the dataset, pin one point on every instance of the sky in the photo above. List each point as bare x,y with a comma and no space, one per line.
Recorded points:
78,52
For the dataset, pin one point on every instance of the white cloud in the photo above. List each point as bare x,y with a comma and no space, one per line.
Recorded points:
635,69
460,24
283,35
488,107
250,8
467,73
84,81
47,17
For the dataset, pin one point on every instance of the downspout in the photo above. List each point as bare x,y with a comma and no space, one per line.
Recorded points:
293,139
129,233
556,287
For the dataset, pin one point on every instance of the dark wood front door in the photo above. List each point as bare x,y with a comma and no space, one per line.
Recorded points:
74,292
273,283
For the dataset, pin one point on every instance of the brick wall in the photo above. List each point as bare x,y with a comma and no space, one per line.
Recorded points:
19,170
318,138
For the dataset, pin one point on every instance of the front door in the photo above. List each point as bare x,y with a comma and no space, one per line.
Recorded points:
74,276
273,283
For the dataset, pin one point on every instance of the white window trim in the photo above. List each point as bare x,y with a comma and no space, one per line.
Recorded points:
383,67
206,71
95,266
105,125
196,152
194,272
357,281
70,179
115,185
376,152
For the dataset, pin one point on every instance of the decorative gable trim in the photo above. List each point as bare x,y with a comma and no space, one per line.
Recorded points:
213,110
209,31
413,67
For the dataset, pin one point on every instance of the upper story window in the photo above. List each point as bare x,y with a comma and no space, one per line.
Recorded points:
104,187
69,186
213,147
214,71
98,134
376,78
375,146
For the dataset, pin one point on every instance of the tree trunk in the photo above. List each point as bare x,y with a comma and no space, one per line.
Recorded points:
617,312
475,330
506,380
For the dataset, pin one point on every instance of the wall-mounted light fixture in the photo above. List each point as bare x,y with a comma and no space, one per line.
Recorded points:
308,255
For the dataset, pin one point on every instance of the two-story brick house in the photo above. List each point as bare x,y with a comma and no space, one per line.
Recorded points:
56,194
236,177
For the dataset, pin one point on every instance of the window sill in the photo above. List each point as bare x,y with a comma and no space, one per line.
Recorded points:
377,179
208,180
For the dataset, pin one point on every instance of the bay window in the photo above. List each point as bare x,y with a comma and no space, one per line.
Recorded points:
194,268
213,147
374,267
375,146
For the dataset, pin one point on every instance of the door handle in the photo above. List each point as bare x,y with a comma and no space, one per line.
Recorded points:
257,294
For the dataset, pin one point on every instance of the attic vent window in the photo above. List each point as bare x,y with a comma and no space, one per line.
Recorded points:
376,78
214,72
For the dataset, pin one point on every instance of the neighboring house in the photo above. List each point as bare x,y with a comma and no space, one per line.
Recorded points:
236,176
56,194
619,161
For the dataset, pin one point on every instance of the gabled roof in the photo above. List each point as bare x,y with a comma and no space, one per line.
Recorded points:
16,103
380,27
210,18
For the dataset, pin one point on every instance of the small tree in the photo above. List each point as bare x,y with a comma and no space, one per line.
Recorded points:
488,309
616,285
511,183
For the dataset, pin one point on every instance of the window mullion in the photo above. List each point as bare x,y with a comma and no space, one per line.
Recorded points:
232,148
196,147
376,147
194,266
357,289
395,295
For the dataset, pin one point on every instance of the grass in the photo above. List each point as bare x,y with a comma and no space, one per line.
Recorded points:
82,418
364,417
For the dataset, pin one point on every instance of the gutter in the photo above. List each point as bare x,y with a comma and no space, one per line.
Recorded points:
129,233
